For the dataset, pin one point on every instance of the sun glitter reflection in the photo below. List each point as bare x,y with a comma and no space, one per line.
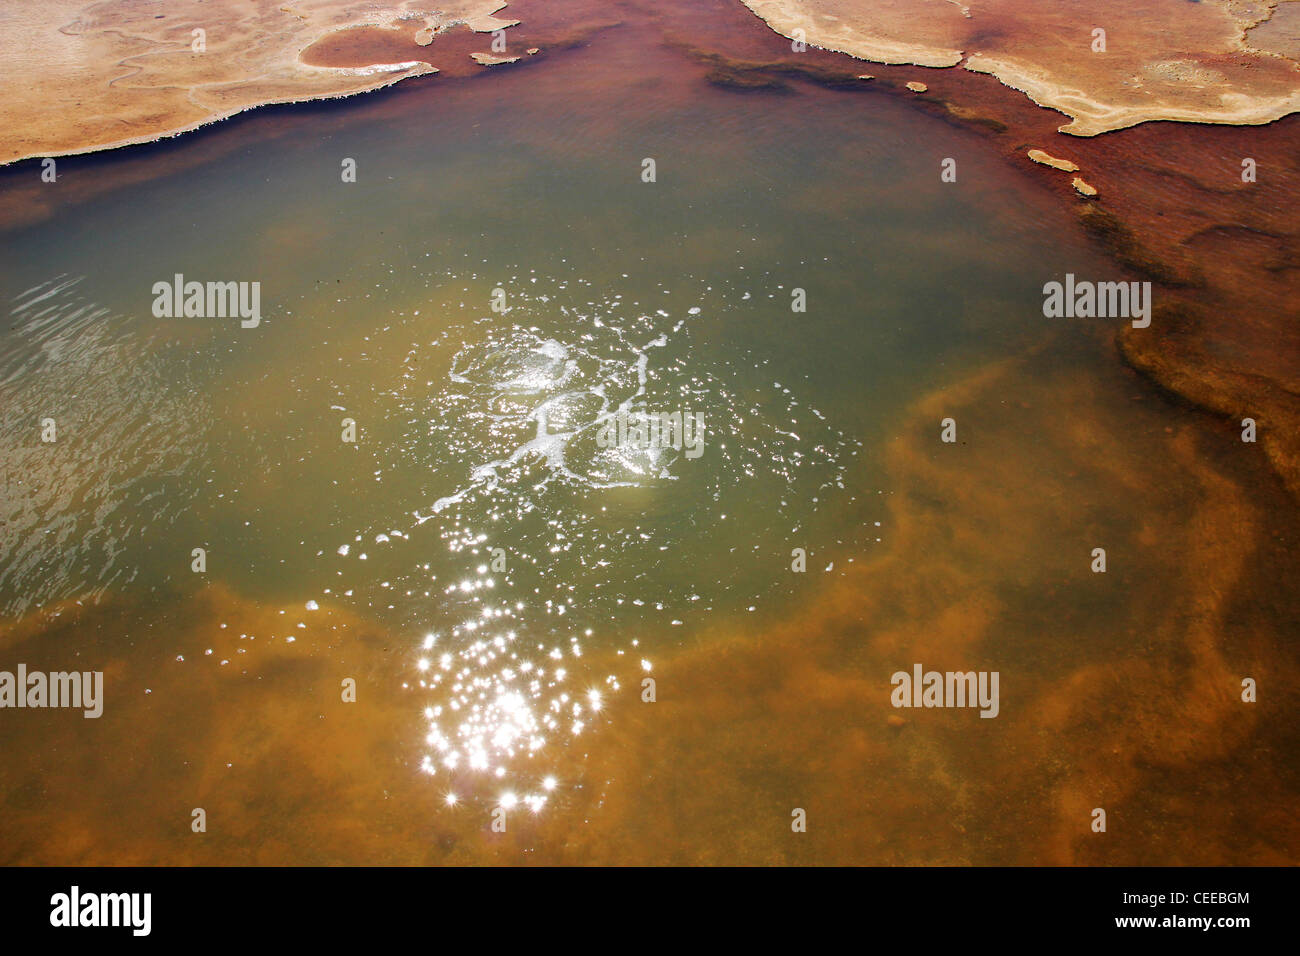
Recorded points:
499,698
495,426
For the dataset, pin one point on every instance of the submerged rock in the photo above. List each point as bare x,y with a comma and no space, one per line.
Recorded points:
1038,156
491,59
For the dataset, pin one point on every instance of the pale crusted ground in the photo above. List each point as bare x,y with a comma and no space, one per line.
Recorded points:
80,77
1213,61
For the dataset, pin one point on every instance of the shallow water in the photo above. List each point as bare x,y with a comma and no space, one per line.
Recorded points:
500,677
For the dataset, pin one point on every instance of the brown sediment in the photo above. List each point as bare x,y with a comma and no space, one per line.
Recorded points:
987,568
1182,359
1129,251
255,699
1218,61
742,73
746,80
1128,710
969,117
236,707
85,77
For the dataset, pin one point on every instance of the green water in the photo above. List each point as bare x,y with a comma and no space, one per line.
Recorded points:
377,307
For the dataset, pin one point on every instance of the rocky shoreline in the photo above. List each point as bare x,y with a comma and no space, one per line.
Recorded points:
81,77
1182,204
